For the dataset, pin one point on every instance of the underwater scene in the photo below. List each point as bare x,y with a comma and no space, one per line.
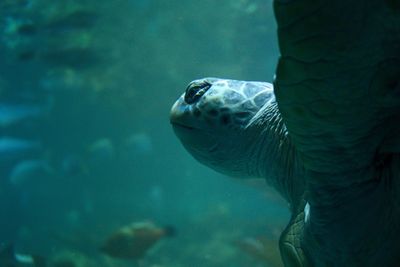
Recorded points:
92,174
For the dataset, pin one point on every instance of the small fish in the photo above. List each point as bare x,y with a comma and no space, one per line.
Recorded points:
102,150
77,20
133,241
13,148
9,258
29,169
11,114
139,144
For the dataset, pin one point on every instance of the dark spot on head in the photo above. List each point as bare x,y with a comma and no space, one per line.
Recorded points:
225,119
213,112
242,115
197,113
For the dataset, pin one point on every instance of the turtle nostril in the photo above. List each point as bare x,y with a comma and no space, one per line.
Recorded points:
196,90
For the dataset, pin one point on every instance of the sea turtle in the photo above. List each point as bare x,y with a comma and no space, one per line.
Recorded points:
327,138
235,128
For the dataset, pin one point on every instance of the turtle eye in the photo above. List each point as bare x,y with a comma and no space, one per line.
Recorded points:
195,90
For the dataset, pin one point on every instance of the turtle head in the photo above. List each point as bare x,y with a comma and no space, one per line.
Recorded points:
212,119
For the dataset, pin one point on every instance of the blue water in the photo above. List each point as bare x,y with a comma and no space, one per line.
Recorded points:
89,84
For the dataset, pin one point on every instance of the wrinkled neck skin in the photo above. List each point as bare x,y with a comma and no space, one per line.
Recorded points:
276,157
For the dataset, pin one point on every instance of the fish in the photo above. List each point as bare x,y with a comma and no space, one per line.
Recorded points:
9,258
71,22
12,148
101,150
11,114
139,143
27,170
133,241
47,39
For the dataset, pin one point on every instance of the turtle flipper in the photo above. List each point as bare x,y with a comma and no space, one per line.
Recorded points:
337,83
338,90
290,241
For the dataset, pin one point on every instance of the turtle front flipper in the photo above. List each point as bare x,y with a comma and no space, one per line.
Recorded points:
290,241
338,82
338,90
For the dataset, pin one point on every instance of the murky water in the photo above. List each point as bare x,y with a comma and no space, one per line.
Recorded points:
85,142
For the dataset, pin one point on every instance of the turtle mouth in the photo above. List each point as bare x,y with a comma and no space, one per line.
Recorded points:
183,126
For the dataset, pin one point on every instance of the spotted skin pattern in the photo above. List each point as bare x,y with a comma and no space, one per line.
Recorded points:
229,103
